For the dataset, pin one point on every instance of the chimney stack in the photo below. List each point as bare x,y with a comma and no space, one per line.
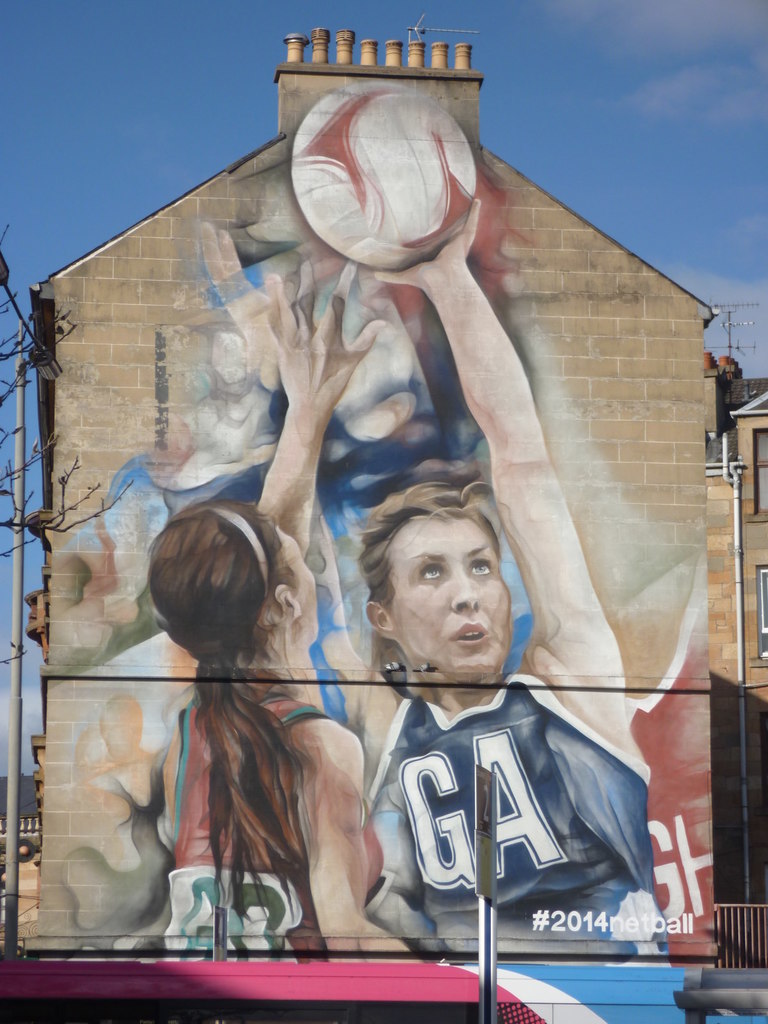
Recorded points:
345,41
302,80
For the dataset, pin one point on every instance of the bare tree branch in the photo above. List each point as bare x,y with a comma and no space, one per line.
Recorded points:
104,506
13,657
70,513
58,521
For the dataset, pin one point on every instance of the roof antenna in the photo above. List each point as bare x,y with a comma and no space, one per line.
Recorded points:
420,29
728,308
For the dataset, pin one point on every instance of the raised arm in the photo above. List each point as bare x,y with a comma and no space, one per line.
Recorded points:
572,642
298,326
316,362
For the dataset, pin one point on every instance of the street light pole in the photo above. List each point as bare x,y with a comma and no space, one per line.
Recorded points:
44,362
14,710
485,890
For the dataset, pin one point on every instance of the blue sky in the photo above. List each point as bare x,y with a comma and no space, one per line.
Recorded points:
649,119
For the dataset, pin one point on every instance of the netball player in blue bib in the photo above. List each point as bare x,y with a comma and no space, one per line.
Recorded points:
574,853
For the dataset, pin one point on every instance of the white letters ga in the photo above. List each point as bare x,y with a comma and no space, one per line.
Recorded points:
444,841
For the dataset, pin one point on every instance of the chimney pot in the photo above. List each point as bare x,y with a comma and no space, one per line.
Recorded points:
320,39
416,53
345,40
369,52
394,53
439,55
463,55
709,361
295,41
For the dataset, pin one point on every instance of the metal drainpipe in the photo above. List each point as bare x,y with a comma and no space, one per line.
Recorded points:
732,472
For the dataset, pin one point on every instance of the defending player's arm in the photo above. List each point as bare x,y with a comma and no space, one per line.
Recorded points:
304,334
316,363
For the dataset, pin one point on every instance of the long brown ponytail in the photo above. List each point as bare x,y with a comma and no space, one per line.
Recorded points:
207,581
254,785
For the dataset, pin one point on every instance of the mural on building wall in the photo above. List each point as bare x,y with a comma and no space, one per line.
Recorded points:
350,533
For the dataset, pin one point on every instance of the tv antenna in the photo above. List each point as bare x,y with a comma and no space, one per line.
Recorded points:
728,308
420,29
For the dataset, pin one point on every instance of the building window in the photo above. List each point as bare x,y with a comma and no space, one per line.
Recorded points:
761,471
764,754
762,610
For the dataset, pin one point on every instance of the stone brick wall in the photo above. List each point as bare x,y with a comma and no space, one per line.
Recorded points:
613,352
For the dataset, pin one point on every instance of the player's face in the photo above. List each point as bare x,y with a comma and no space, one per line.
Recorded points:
451,607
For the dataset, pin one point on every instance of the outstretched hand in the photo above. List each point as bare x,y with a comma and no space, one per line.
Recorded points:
244,302
247,305
316,361
315,364
439,272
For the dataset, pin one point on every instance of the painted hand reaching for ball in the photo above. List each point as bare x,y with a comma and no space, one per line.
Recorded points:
316,356
448,269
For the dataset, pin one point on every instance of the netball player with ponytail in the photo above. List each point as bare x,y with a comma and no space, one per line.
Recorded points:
264,791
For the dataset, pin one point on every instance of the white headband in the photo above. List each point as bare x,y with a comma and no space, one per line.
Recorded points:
250,535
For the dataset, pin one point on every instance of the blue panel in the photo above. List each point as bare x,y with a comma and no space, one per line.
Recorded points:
615,994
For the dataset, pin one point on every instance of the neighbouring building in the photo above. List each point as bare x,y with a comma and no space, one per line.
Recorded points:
29,857
737,518
405,464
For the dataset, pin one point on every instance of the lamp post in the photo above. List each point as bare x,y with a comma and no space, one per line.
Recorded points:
485,890
45,363
14,708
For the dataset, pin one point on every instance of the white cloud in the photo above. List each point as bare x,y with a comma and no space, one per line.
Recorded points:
732,86
715,93
667,96
678,26
747,239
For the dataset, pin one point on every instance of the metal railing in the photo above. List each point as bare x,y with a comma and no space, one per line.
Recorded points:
29,825
741,933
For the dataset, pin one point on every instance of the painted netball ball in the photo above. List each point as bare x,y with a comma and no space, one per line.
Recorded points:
382,174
